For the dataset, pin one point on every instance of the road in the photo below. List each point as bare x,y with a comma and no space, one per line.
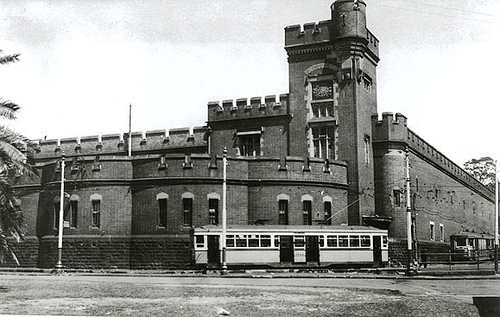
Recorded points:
462,289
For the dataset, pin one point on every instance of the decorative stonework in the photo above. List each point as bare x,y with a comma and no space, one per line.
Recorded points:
322,90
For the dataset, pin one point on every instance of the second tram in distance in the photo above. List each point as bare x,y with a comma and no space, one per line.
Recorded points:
291,246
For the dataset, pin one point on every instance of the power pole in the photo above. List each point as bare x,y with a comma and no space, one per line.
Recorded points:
496,217
408,213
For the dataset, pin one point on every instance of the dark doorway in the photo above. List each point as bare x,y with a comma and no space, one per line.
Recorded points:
213,254
312,249
377,251
286,249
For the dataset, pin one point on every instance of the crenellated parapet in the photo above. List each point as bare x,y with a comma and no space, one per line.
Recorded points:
390,127
118,144
307,34
242,108
393,130
425,149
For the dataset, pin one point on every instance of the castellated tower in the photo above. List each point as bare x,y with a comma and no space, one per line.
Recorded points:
332,84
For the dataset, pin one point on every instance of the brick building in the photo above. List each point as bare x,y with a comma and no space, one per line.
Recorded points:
318,154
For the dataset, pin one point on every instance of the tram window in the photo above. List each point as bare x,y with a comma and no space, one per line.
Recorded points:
343,241
230,241
354,241
321,241
241,241
365,241
384,241
299,242
331,241
265,241
471,242
276,241
200,241
253,241
461,242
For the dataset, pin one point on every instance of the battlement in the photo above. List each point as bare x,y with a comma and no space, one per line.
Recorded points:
425,149
243,109
117,144
309,33
373,42
390,127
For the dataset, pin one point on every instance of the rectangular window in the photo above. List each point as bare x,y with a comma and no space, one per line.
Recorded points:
230,241
328,213
441,232
213,211
323,141
365,241
432,231
241,241
199,241
73,205
265,241
249,144
343,241
253,241
397,197
354,241
188,211
96,213
162,212
307,212
283,212
331,241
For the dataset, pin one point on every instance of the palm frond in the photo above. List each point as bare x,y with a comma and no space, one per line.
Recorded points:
8,109
9,58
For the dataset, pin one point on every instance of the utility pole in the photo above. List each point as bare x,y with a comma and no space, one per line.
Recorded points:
496,217
408,213
59,267
224,203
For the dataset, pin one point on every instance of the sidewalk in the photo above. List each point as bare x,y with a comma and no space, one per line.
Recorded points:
431,272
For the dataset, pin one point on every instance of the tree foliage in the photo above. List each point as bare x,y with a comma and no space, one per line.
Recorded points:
482,169
15,154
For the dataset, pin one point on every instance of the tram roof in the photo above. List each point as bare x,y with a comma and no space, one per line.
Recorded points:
290,228
467,234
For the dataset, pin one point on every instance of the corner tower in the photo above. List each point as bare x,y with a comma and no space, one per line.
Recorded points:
332,82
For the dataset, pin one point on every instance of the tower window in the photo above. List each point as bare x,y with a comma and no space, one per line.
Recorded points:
187,203
213,211
283,212
397,197
73,208
323,142
322,109
96,213
432,231
162,199
327,206
307,212
249,143
367,144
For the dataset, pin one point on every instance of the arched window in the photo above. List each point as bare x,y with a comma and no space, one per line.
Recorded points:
162,199
73,207
96,210
187,203
307,209
283,209
213,208
327,208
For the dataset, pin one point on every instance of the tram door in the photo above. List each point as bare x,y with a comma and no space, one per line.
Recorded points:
312,249
213,253
377,250
286,249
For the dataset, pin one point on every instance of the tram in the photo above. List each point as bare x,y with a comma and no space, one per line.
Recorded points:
472,246
291,246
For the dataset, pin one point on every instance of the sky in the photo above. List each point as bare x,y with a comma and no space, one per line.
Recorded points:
83,63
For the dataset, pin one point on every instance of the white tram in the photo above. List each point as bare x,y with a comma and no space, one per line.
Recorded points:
291,246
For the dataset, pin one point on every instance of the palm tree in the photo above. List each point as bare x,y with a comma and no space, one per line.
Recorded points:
15,150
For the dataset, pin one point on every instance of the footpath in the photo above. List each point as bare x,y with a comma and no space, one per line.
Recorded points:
430,272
